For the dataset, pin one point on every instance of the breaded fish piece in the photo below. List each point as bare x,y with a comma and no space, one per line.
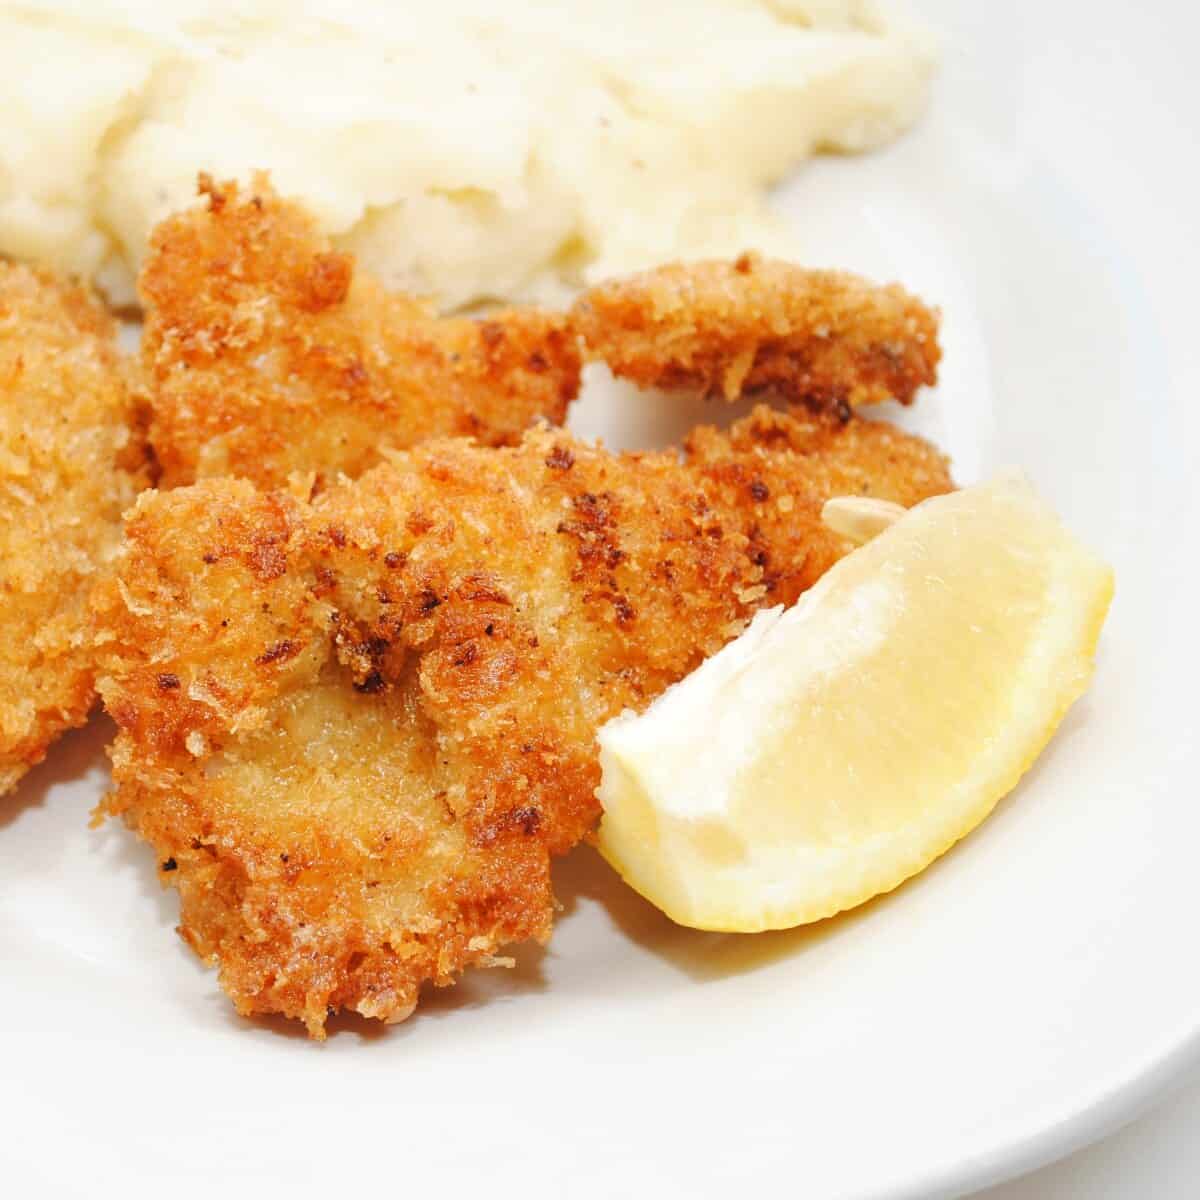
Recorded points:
760,326
70,463
760,457
266,352
355,730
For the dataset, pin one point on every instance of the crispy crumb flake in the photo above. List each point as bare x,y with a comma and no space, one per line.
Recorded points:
379,751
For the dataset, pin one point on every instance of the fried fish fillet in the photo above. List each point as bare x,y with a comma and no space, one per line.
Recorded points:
356,729
759,326
266,352
70,463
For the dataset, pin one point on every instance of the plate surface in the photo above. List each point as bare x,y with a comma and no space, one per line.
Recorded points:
1025,994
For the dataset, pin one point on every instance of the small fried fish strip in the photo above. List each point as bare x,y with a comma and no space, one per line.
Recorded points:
759,326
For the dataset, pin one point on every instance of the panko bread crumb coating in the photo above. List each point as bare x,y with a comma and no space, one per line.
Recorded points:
355,730
266,352
70,463
759,326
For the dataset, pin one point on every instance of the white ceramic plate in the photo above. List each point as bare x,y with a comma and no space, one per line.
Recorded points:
1025,994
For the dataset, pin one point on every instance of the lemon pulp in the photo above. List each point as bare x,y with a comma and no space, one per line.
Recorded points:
836,749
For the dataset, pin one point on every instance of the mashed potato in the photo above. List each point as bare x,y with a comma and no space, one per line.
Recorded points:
464,148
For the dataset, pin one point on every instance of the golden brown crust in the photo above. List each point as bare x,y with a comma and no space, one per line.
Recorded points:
756,463
70,462
355,730
758,326
266,352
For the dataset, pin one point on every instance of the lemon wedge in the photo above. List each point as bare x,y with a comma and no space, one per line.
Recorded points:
836,749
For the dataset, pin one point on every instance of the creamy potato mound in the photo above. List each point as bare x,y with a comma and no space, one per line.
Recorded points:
465,149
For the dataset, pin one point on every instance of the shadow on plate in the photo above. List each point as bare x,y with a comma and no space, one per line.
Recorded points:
72,757
124,853
704,956
648,420
476,989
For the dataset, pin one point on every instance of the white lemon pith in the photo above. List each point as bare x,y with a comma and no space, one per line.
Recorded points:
836,749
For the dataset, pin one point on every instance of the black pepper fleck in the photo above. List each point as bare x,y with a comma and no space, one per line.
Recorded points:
370,685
